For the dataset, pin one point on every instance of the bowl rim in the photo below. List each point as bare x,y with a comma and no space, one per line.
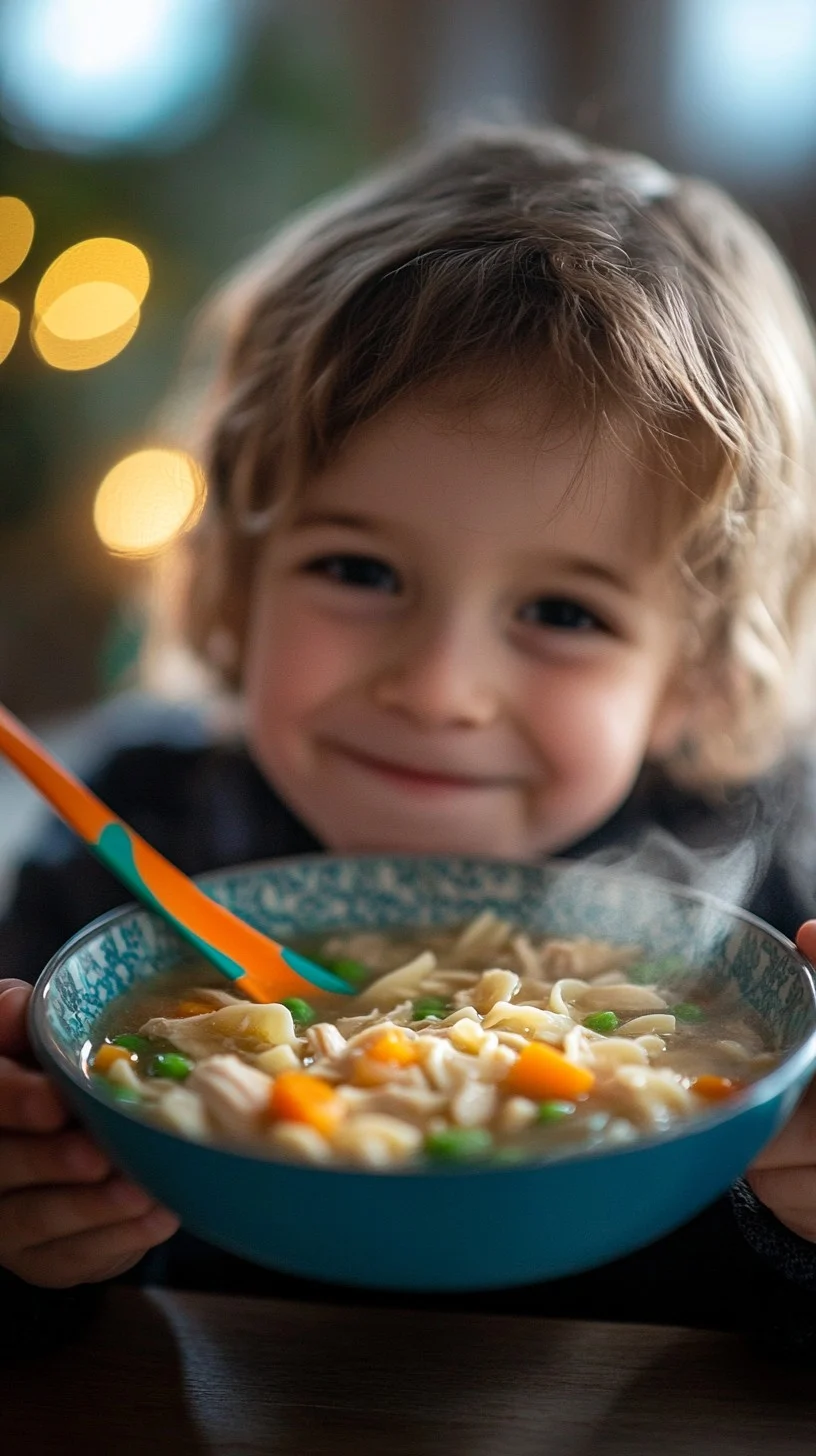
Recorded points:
773,1084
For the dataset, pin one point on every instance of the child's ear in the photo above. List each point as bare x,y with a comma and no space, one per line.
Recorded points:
230,630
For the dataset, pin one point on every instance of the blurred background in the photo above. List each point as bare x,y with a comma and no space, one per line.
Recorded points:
145,149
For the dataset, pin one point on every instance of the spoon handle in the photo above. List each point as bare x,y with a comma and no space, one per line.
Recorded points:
260,967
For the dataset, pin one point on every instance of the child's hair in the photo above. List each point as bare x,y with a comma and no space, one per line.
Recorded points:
520,252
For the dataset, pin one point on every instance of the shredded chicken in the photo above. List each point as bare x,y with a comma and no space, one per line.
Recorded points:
235,1095
242,1027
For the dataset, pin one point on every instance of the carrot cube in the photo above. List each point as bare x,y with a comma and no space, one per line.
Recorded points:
106,1055
392,1046
715,1089
194,1007
298,1097
540,1073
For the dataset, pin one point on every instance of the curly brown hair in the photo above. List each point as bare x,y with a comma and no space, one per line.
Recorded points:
518,252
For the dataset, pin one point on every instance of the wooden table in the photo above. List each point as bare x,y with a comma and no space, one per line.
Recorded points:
191,1373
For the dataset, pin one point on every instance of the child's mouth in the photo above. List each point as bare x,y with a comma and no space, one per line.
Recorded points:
419,779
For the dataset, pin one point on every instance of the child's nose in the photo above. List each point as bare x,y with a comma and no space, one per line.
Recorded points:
442,679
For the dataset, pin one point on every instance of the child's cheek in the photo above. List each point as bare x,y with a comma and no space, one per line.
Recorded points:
299,661
592,728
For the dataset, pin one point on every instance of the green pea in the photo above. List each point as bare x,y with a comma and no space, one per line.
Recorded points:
426,1006
301,1011
554,1111
349,970
603,1021
122,1094
458,1144
687,1011
132,1042
170,1064
648,972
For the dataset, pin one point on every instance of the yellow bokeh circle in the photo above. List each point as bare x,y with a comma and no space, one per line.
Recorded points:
16,234
82,353
89,311
147,500
87,306
9,325
96,260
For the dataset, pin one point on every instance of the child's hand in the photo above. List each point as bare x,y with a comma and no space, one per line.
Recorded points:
66,1217
784,1175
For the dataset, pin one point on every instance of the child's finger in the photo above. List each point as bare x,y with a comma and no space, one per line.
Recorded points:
14,999
790,1194
40,1161
806,939
28,1102
795,1145
38,1216
87,1258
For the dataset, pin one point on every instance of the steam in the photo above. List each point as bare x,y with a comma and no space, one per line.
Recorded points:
723,846
731,874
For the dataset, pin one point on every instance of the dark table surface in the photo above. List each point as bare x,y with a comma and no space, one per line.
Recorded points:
158,1371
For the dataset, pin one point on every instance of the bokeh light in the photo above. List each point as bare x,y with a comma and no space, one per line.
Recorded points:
110,260
88,304
16,234
741,85
92,75
9,327
89,310
76,354
147,500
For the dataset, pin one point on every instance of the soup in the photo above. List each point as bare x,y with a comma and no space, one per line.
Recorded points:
462,1044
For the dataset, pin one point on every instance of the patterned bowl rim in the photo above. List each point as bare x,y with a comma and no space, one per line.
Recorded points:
764,1089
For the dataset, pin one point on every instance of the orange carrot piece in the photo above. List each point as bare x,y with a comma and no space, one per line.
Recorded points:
299,1097
194,1008
540,1072
105,1056
392,1046
715,1089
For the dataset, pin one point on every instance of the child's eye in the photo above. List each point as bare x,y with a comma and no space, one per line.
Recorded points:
367,573
562,614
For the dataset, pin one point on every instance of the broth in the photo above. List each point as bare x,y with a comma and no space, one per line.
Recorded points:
475,1042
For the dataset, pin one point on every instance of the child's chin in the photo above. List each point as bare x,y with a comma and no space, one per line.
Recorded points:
441,839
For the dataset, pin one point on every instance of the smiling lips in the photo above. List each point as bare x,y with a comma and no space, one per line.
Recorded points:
421,778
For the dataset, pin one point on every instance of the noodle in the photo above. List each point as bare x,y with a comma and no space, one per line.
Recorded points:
435,1058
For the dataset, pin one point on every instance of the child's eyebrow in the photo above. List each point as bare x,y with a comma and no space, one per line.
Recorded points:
335,518
596,571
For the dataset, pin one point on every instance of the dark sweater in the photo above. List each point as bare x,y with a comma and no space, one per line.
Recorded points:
732,1267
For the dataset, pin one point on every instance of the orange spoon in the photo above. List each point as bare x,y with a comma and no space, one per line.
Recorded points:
260,967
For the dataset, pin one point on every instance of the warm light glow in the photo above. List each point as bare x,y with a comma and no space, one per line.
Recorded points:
87,306
16,234
90,310
9,326
147,500
74,354
96,260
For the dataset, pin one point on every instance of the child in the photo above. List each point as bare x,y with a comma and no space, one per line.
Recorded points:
509,550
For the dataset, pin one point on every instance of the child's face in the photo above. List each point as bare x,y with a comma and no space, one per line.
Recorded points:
466,639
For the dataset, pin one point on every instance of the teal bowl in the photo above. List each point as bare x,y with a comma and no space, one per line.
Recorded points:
440,1229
